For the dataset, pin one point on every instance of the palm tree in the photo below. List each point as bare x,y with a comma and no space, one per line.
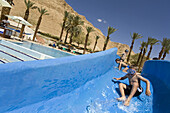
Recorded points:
166,51
66,14
79,39
110,31
75,32
143,55
164,44
29,5
68,26
141,50
97,37
134,37
42,12
89,30
151,42
76,22
67,32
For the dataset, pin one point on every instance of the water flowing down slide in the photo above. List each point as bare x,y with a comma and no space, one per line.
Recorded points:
76,84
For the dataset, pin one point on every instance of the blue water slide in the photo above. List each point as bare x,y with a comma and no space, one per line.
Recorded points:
75,84
158,72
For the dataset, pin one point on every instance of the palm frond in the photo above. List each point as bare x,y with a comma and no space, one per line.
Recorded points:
111,30
29,4
89,29
43,11
34,7
66,14
39,10
164,42
167,47
135,36
152,41
143,44
97,37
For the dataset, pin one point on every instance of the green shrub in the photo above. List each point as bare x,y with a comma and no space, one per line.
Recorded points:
49,35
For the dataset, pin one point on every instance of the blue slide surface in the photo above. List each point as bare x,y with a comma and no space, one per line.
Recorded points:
76,84
158,72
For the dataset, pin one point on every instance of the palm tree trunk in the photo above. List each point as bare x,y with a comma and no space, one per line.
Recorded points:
23,26
95,45
131,47
37,27
66,35
141,61
140,54
164,55
105,44
160,53
71,37
85,43
62,29
149,53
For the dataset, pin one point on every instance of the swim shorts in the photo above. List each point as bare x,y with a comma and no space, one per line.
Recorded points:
129,88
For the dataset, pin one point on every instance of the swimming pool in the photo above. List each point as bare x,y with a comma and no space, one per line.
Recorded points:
43,49
20,52
11,52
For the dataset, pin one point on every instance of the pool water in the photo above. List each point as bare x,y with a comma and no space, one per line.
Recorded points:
46,50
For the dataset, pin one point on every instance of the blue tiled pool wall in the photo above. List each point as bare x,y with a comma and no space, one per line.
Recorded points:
24,50
24,83
45,50
158,73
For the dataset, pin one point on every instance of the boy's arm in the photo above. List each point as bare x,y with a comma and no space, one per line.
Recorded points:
147,85
121,63
121,78
119,67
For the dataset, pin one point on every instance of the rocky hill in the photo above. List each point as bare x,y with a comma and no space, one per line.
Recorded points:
52,23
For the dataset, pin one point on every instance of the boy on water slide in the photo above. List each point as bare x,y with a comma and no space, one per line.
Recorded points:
134,89
122,64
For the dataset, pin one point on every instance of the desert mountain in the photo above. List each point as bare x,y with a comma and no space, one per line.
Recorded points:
52,23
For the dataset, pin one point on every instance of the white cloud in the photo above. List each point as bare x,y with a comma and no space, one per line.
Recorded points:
105,21
99,20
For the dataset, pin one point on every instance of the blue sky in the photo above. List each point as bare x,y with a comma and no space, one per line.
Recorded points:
150,18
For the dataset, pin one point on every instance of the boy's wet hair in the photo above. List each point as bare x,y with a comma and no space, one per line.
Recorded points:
117,59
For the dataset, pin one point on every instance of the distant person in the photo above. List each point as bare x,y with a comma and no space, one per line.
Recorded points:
5,22
121,65
134,89
54,44
123,56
